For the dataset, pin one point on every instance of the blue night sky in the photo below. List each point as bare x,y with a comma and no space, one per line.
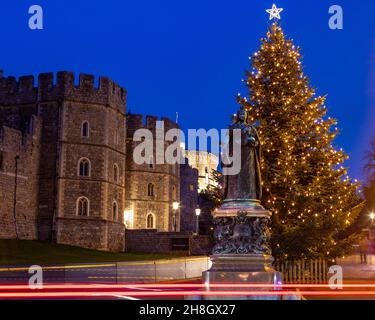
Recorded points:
190,56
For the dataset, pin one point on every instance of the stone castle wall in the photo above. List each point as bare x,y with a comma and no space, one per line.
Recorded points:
189,197
164,177
62,105
49,183
204,162
151,241
21,186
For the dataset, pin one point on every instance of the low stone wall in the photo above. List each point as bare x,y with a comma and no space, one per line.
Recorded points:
115,236
151,241
200,245
91,233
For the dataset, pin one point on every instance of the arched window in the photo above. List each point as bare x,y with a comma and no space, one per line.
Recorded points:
151,162
84,167
115,173
83,207
150,190
85,129
114,211
150,221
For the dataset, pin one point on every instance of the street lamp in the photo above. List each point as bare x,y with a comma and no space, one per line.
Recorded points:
197,213
372,217
175,207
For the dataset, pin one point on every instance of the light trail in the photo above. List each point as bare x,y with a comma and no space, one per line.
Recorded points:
179,286
83,266
72,294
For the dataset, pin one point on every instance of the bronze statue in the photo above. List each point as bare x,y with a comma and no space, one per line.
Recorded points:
241,223
247,184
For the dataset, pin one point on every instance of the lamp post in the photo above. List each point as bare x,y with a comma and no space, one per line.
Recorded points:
372,218
197,213
175,207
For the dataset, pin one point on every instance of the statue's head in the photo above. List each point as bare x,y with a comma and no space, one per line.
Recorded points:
240,116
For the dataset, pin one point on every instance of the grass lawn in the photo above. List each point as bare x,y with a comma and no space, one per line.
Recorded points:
22,252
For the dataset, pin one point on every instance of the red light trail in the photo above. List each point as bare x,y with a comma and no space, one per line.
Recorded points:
71,291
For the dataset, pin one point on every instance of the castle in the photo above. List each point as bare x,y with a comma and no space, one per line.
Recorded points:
67,172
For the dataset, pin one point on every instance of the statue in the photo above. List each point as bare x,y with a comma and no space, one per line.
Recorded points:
247,184
241,224
241,253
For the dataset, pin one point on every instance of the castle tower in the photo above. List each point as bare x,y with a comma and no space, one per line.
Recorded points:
82,163
91,184
151,188
205,162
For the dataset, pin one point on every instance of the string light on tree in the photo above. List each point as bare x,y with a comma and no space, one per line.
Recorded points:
304,180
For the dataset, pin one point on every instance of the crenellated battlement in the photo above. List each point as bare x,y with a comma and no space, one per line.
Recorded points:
138,121
49,87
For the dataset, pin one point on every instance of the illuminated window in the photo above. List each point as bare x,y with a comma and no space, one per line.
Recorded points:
150,190
150,221
85,129
84,167
83,207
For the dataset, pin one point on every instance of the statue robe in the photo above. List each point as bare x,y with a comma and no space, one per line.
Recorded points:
247,184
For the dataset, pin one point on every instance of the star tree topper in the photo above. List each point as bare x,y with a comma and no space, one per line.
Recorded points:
274,12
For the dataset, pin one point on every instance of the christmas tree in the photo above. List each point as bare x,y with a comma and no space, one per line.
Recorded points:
305,184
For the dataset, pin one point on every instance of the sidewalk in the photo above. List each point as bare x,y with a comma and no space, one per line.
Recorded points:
354,270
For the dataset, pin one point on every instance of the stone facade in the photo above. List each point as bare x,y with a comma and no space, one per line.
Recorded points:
189,197
204,162
77,181
151,241
58,184
19,185
146,208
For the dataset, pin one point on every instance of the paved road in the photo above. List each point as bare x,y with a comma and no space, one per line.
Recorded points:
109,280
127,272
107,273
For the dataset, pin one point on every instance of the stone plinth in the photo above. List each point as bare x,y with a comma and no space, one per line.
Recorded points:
242,254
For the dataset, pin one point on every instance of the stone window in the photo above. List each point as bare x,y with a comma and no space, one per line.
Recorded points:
114,211
84,167
1,161
83,207
85,129
150,190
116,173
151,162
150,221
174,193
115,138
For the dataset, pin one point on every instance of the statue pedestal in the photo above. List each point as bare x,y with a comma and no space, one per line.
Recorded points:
246,270
242,255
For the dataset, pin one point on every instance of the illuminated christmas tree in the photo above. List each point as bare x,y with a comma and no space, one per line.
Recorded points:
304,182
